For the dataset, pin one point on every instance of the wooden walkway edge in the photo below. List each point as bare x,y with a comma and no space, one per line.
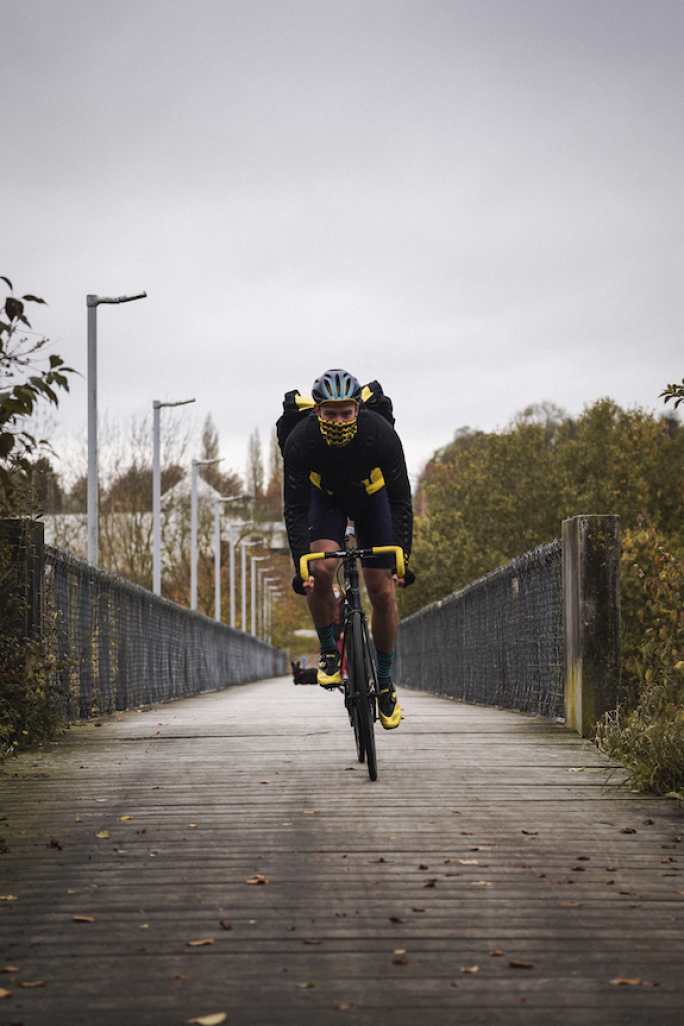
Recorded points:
228,854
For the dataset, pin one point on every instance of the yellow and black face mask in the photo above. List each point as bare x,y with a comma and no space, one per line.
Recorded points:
338,434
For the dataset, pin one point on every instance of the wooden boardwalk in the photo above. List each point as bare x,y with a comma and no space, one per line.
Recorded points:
490,876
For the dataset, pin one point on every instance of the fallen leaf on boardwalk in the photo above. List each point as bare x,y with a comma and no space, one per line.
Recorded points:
346,1004
517,964
310,940
576,769
530,833
578,869
306,986
102,833
32,983
430,883
623,981
123,818
78,820
419,908
469,862
200,943
8,969
399,951
483,883
423,866
179,977
225,925
403,960
625,892
265,781
310,812
627,830
210,1020
101,800
9,897
5,993
257,879
470,969
54,843
496,953
82,919
193,826
378,860
397,919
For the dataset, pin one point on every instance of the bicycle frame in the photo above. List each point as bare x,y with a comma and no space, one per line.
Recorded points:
359,684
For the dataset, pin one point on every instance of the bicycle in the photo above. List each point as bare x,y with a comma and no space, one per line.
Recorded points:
359,683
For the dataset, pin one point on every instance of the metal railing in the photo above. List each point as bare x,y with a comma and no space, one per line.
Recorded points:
119,645
498,641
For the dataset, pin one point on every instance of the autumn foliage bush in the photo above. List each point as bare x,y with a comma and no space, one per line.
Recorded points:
646,733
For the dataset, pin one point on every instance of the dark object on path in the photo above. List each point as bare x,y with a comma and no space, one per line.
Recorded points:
309,675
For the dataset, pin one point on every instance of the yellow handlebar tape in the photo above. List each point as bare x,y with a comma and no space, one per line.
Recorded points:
377,550
304,563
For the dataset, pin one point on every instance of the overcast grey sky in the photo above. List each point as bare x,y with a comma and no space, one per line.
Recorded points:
478,202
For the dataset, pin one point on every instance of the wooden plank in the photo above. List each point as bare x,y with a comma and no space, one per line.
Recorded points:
486,831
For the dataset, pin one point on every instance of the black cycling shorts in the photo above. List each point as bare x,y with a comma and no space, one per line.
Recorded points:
372,522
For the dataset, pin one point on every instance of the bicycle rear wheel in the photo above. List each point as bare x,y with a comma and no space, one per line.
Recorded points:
360,680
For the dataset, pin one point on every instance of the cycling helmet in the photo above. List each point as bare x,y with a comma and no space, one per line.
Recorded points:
336,386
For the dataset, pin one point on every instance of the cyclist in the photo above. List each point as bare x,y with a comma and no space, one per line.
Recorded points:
345,461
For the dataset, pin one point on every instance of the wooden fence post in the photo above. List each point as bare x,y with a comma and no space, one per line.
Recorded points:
591,593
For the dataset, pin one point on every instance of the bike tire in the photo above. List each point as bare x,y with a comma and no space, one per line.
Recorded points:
359,680
349,693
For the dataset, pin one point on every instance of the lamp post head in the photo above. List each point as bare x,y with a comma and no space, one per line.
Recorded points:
96,300
157,404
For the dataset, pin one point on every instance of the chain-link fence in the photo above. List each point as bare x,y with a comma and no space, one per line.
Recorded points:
118,645
499,641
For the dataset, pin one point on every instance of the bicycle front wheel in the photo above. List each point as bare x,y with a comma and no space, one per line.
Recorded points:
360,681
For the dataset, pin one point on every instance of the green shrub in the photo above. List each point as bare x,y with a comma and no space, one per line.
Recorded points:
646,732
29,699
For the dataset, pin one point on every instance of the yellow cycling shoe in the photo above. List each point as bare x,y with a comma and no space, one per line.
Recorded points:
329,669
388,706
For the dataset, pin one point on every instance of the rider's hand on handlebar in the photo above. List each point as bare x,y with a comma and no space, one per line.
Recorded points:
404,582
302,587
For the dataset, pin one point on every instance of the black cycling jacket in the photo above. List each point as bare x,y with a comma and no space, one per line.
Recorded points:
374,458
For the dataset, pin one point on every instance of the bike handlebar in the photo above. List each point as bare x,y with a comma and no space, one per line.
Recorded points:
377,550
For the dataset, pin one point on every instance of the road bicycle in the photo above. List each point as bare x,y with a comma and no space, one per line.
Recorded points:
359,682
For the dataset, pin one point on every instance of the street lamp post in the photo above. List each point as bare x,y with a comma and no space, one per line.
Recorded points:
244,544
269,589
193,528
92,302
256,559
260,603
156,491
217,557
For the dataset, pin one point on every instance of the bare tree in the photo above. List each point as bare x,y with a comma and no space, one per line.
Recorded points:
255,466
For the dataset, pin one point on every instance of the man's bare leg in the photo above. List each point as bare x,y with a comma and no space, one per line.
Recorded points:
380,585
321,601
319,595
385,617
